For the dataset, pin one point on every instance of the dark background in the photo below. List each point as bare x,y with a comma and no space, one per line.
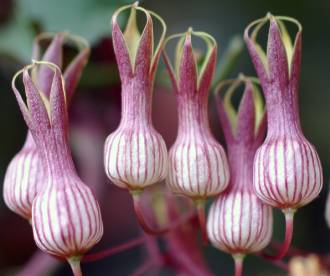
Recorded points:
98,99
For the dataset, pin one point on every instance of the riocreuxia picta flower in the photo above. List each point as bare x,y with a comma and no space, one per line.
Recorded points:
66,218
239,223
287,169
135,155
23,176
198,164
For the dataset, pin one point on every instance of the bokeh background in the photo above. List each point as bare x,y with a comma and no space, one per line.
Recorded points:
96,110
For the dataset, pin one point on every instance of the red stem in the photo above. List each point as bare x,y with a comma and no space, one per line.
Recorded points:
289,214
200,205
114,250
292,252
149,230
238,259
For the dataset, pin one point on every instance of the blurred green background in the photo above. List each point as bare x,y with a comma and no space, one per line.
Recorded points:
21,20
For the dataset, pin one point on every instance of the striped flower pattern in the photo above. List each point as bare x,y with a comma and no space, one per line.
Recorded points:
287,173
239,222
135,155
66,218
287,169
198,164
24,177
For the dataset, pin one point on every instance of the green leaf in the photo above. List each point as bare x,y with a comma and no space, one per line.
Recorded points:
87,18
16,37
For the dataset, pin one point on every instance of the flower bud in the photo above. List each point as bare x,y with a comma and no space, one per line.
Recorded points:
23,177
66,218
238,221
135,155
198,164
287,169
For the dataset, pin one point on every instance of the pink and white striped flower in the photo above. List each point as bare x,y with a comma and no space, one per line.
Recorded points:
287,169
198,164
23,177
135,155
239,222
66,218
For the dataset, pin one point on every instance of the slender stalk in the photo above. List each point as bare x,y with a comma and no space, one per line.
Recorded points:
75,265
292,252
238,259
156,232
200,206
289,215
114,250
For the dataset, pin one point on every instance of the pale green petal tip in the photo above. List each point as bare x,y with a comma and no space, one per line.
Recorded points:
232,86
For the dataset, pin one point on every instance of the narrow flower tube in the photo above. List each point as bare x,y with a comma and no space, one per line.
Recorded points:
23,177
287,171
198,164
66,218
239,223
135,155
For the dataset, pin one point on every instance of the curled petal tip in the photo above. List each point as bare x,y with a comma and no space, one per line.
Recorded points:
270,16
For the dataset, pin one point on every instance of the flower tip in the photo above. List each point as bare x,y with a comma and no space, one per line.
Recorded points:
188,37
241,77
270,16
60,36
26,76
135,4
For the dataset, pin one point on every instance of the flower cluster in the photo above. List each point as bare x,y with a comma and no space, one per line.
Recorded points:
65,216
267,162
23,178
